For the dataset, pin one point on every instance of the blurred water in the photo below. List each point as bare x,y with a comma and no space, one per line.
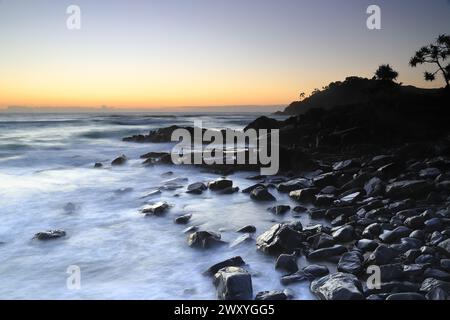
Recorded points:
47,181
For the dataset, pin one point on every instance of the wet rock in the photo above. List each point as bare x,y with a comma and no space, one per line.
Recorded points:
229,190
429,173
233,283
430,284
366,245
327,253
415,222
346,164
408,188
393,287
220,184
280,238
372,231
232,262
344,234
325,179
49,235
350,198
204,240
262,194
434,224
304,195
445,264
308,273
156,209
247,229
293,185
196,188
337,286
253,187
98,165
374,187
383,255
324,200
437,294
271,296
395,235
184,219
287,262
119,161
391,272
350,262
406,296
436,274
321,240
279,210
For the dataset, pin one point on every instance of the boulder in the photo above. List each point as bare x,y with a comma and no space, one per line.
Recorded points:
204,240
233,283
395,235
327,253
287,262
220,184
196,188
279,210
344,234
304,195
262,194
350,262
280,238
383,255
409,188
184,219
293,185
337,286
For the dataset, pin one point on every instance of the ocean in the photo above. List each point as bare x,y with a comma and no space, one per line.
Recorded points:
47,181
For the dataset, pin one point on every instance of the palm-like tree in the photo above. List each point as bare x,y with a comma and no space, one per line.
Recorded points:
386,73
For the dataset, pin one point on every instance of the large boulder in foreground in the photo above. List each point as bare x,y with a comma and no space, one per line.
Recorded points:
281,238
233,283
337,286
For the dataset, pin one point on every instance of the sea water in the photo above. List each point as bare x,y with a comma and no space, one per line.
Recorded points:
47,181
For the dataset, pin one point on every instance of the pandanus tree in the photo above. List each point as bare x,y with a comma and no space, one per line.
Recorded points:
386,73
436,54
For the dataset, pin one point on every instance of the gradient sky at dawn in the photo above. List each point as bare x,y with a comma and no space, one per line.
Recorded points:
157,53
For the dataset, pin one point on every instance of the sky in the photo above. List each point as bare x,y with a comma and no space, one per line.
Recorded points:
166,53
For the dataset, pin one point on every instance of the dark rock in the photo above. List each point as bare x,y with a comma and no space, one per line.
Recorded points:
372,231
383,255
233,283
366,245
229,190
429,173
406,296
204,240
247,229
293,185
279,210
326,253
325,179
253,187
184,219
395,235
350,262
287,262
308,273
431,284
321,240
242,239
156,209
98,165
346,164
445,264
415,223
436,274
409,188
418,234
232,262
262,194
281,238
196,188
391,272
49,235
304,195
437,294
119,161
344,234
324,200
220,184
271,296
337,286
434,224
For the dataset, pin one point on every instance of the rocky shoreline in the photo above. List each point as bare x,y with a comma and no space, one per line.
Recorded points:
380,199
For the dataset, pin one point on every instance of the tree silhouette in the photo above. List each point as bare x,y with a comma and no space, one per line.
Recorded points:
386,73
436,53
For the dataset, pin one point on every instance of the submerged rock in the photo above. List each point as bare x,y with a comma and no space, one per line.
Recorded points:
183,219
287,262
233,283
119,161
279,210
196,188
271,296
247,229
308,273
50,235
220,184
